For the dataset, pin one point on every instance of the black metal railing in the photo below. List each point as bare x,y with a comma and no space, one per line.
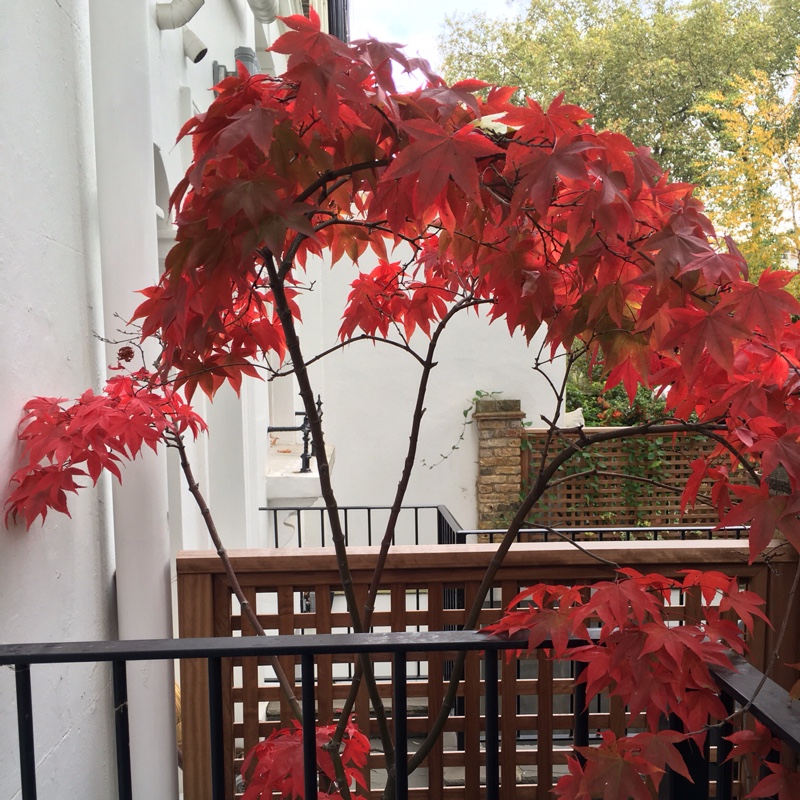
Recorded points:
338,19
599,533
362,525
771,705
305,428
429,524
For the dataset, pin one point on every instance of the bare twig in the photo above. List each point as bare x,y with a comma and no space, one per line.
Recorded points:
579,546
176,440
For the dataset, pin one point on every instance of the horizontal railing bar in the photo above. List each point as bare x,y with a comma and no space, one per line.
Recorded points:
530,529
344,508
219,647
772,705
568,531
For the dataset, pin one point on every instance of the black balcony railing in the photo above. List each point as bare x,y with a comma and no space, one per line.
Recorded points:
771,706
363,526
305,428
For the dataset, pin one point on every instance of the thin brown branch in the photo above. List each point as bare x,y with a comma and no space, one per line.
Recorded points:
578,546
247,610
333,174
624,476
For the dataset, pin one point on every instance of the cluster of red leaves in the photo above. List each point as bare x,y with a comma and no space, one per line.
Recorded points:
757,745
656,667
628,767
528,209
276,764
63,442
385,297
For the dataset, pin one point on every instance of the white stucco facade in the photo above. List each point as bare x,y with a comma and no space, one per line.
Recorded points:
369,391
94,95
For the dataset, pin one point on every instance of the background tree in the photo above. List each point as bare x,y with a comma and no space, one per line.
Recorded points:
641,67
752,183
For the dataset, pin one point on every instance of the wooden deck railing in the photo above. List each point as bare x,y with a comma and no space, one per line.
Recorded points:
427,588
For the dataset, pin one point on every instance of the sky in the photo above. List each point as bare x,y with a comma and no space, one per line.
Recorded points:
415,23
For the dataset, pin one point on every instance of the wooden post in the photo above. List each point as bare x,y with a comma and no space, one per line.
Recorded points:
195,619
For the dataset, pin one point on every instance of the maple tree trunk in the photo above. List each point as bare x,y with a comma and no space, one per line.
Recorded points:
326,489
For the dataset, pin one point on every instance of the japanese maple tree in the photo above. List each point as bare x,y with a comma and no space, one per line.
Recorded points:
459,199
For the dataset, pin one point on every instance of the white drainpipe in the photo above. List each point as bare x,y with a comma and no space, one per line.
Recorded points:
177,13
265,11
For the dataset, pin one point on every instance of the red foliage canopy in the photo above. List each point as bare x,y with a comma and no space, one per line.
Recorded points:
527,209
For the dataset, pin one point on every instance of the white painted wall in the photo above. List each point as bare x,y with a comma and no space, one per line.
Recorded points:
94,95
369,392
55,580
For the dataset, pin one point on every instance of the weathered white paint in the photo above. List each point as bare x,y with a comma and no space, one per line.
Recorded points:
56,579
129,249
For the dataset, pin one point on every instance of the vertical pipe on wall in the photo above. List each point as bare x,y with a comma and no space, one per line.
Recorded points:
120,32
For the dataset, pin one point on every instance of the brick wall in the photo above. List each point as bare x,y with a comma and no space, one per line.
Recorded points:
499,434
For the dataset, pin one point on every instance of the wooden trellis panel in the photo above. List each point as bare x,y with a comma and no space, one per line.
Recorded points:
607,498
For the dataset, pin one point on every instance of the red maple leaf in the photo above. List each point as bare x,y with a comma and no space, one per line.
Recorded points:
744,603
375,302
783,783
766,305
766,513
694,330
427,303
435,156
755,744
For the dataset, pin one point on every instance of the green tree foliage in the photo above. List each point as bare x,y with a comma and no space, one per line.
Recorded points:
752,185
609,407
641,67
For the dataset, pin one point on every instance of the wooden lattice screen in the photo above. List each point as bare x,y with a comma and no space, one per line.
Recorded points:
606,497
422,588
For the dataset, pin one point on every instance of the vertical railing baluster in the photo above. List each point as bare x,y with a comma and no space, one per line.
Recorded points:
27,752
215,726
416,525
581,712
299,528
400,713
119,673
696,761
724,747
309,727
492,711
322,526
